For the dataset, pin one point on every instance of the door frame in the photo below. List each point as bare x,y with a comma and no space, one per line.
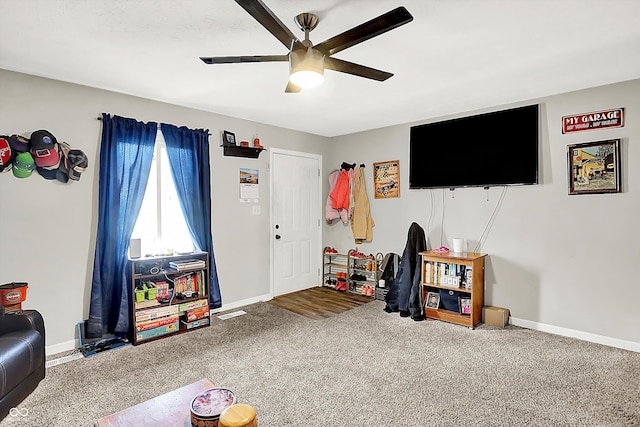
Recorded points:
272,152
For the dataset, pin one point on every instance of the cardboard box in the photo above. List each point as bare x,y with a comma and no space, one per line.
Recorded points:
197,314
156,332
495,316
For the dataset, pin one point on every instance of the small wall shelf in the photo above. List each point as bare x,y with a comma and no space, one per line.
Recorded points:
238,151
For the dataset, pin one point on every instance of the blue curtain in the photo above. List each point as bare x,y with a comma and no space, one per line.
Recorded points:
188,152
126,153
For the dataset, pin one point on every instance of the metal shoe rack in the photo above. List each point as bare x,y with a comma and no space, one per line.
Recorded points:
352,272
335,268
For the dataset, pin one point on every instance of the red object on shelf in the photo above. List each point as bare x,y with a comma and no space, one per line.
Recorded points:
256,143
12,294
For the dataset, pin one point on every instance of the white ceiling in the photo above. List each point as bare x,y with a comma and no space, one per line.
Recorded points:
456,55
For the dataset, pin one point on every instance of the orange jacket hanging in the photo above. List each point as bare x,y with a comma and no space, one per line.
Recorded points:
341,192
330,212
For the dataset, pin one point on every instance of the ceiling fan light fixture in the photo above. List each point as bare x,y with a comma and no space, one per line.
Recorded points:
306,67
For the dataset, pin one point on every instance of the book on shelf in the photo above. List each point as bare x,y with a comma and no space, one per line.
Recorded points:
153,313
187,264
185,306
159,331
156,323
197,313
196,323
162,290
189,282
146,304
447,274
468,278
428,272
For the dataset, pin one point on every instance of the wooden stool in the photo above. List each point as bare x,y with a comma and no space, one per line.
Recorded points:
238,415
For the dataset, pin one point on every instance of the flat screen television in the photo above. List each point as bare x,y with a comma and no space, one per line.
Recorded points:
485,150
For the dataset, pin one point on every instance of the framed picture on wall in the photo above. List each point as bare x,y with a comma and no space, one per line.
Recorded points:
594,167
228,139
386,179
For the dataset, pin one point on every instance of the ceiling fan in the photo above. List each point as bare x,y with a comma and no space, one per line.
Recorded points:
307,62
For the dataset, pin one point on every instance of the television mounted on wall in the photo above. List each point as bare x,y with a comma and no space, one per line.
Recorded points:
485,150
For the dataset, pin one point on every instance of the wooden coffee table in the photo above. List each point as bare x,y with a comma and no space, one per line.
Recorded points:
170,409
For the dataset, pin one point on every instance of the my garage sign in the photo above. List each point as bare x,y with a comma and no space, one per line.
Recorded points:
596,120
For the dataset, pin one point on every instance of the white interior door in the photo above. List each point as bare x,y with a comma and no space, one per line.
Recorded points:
296,232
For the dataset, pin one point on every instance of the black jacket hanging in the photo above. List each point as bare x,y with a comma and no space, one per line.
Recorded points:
405,293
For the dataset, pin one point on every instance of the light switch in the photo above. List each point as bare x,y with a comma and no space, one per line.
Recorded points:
255,210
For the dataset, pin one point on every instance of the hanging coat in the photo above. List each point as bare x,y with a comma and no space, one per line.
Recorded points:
361,220
405,294
341,192
330,212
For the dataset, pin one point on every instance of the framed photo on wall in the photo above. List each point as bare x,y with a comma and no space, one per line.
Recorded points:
228,139
594,167
386,179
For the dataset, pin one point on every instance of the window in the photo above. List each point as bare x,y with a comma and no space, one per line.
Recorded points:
160,224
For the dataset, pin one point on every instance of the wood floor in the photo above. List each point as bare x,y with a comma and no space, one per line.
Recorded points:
319,303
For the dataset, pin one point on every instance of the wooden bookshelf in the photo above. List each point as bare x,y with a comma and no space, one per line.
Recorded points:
440,263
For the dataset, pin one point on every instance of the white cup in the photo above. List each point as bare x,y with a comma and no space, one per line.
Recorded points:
381,283
458,245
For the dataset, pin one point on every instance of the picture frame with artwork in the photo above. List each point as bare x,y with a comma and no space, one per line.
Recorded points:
386,179
594,167
433,300
465,305
228,139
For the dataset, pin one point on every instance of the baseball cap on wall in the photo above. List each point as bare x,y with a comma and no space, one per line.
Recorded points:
62,174
77,162
6,153
42,140
23,165
46,157
46,173
50,170
19,143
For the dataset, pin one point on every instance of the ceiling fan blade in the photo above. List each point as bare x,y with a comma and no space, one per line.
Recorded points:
269,20
355,69
291,88
237,59
363,32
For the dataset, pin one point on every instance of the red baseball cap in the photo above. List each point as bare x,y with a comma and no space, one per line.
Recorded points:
6,153
46,157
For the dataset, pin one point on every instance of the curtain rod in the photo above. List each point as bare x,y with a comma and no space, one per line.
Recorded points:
207,130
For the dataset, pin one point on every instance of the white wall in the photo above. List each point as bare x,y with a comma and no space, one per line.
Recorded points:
48,228
556,261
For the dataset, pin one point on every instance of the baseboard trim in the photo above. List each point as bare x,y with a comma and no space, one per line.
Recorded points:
73,344
59,348
572,333
242,303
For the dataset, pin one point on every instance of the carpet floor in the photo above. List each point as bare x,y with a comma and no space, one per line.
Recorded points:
363,367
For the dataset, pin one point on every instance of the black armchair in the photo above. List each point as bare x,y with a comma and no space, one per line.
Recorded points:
22,356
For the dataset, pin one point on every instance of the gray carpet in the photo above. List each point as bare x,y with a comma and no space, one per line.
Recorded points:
363,367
